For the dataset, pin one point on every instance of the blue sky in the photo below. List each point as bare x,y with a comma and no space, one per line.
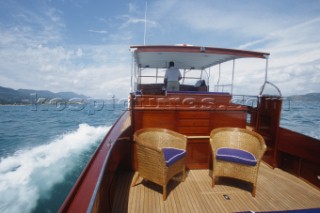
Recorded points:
83,46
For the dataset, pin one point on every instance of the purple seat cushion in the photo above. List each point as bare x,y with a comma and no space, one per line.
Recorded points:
172,155
237,156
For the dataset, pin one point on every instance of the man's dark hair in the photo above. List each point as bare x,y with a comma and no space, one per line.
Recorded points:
171,64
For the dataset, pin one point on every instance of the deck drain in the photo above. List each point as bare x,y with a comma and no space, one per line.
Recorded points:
226,197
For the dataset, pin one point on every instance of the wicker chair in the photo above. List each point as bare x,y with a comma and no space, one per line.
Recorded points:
237,154
155,163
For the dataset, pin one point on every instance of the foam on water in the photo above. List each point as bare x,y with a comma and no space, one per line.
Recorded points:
30,174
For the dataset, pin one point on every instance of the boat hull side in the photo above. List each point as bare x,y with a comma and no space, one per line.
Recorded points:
299,155
95,182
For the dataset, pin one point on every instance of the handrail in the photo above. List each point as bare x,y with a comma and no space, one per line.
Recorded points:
158,76
247,100
268,82
222,86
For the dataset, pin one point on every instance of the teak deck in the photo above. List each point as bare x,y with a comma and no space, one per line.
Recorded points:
276,190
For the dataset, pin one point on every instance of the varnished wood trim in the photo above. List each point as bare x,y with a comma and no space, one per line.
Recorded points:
198,137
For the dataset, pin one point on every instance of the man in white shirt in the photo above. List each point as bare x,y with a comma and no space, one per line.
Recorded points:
172,77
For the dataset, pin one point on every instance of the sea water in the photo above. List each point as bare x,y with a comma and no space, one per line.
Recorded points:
301,116
43,149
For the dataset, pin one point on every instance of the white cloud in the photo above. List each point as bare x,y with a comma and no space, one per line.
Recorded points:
79,52
292,39
60,68
31,59
295,51
34,52
99,31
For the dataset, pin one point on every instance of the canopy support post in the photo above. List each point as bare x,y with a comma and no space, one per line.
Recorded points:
233,67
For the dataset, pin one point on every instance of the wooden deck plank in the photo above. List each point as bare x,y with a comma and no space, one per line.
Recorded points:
196,183
189,197
276,190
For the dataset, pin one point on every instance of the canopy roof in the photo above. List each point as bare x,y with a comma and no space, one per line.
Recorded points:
188,57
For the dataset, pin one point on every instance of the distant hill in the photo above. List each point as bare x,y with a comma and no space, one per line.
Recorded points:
306,97
24,96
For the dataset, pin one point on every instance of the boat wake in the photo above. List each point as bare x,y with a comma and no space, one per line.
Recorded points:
29,175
